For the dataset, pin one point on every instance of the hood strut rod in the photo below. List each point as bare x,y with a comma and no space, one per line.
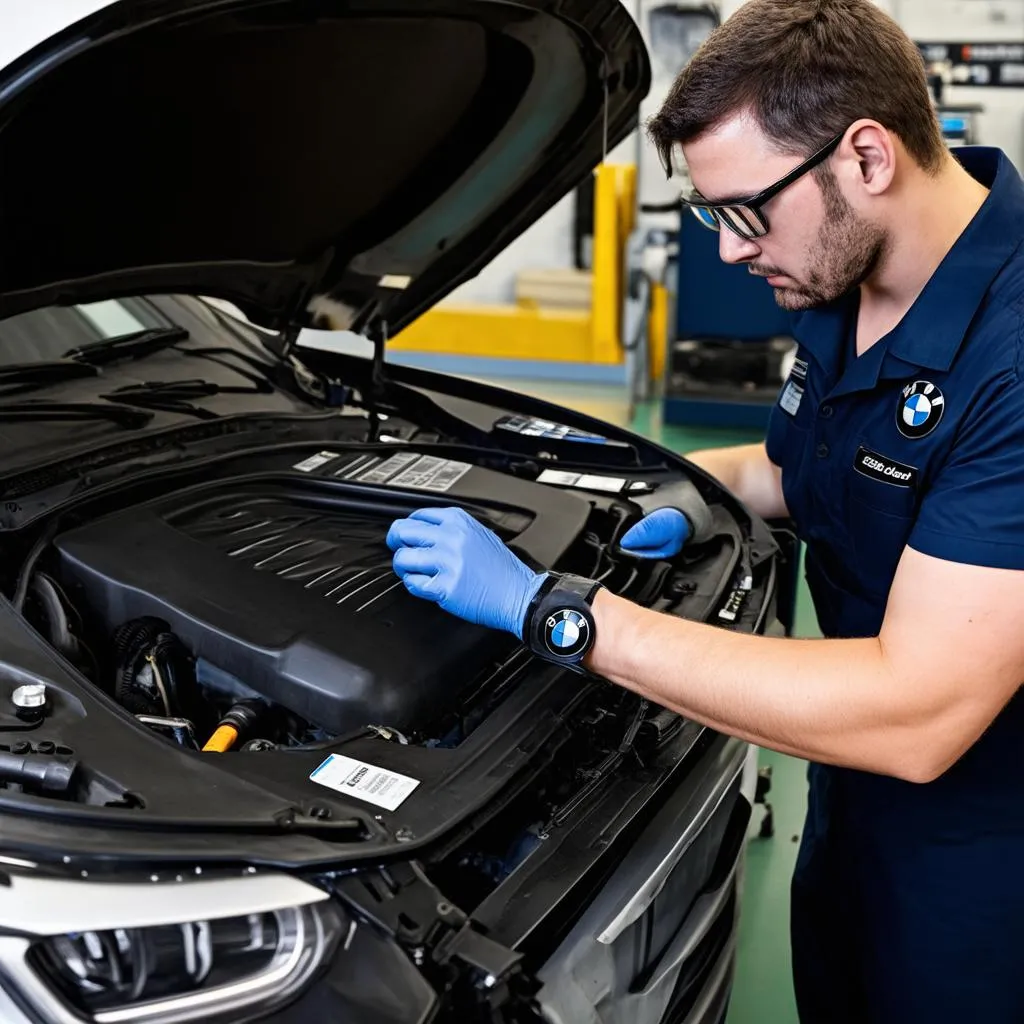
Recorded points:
377,380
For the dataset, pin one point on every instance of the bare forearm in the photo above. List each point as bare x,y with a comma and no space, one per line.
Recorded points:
747,472
831,701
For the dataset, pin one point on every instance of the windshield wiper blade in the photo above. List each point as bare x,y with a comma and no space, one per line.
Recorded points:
134,345
119,414
45,373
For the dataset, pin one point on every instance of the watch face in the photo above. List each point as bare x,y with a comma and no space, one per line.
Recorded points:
566,632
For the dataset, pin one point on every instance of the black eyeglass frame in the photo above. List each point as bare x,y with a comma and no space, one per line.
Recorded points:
753,206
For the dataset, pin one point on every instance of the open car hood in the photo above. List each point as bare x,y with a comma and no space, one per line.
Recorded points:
298,157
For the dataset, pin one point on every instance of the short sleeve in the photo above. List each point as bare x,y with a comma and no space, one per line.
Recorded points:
974,510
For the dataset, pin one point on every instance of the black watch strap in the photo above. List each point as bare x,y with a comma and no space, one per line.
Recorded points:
559,624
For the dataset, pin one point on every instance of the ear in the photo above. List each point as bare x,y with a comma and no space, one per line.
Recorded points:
872,148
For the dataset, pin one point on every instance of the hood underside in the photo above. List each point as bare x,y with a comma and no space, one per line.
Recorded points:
298,157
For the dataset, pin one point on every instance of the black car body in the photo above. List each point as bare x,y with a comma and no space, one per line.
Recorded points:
192,523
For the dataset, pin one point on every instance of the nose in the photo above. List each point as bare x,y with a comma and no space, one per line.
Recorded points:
733,249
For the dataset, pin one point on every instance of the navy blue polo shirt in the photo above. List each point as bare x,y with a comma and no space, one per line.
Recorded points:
908,899
920,442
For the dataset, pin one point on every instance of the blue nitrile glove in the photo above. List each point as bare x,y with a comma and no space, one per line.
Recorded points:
448,557
660,534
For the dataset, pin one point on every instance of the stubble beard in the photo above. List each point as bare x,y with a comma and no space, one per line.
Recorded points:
846,252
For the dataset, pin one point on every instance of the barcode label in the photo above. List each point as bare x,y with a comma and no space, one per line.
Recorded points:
377,786
384,471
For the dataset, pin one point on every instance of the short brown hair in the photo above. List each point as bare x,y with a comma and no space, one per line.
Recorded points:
806,70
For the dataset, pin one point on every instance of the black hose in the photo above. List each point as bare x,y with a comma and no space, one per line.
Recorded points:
129,642
38,771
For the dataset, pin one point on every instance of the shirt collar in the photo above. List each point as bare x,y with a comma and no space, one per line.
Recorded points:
931,333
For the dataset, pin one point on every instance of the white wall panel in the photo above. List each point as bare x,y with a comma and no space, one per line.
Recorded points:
975,21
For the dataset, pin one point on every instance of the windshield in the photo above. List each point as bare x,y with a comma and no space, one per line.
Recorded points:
46,334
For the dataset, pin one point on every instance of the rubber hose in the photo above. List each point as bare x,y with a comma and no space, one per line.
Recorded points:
29,565
56,617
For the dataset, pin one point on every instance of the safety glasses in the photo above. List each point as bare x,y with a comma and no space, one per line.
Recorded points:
745,217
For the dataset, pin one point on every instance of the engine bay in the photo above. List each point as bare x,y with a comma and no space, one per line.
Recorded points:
266,602
225,621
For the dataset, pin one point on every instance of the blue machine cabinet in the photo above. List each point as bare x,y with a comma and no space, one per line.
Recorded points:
720,307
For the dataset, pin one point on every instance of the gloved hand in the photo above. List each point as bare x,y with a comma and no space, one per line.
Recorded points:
660,534
448,557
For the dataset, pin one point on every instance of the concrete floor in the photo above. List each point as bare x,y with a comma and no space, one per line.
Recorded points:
763,991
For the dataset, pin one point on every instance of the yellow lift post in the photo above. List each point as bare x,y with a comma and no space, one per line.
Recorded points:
528,331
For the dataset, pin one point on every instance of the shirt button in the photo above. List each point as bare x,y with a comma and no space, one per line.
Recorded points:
826,411
823,450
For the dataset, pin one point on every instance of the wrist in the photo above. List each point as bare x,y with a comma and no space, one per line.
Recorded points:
603,607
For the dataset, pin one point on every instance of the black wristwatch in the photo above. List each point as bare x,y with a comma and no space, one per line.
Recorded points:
559,624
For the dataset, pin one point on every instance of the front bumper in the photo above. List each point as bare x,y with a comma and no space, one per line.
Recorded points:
652,943
665,924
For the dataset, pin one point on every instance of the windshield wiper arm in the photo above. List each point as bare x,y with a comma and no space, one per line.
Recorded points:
119,414
134,345
172,395
185,389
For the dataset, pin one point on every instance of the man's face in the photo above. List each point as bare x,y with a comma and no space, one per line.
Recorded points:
818,248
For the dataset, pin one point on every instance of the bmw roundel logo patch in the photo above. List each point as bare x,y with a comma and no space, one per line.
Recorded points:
920,409
566,633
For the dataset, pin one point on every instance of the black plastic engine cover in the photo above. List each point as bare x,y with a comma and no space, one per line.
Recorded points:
290,589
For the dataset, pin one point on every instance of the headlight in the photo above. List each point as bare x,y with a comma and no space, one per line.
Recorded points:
175,966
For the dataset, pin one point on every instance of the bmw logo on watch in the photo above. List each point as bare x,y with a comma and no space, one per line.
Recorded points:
920,409
566,633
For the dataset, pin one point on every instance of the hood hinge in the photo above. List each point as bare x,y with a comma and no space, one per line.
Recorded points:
289,339
285,341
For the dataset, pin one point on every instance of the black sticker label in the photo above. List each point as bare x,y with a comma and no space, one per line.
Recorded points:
881,467
799,370
729,612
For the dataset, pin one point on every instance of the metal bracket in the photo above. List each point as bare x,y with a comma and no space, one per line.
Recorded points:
400,900
441,939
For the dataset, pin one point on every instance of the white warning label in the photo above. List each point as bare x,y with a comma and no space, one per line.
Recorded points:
429,473
421,472
585,481
315,461
377,786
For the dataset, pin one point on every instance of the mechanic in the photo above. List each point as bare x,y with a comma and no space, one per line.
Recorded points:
897,446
